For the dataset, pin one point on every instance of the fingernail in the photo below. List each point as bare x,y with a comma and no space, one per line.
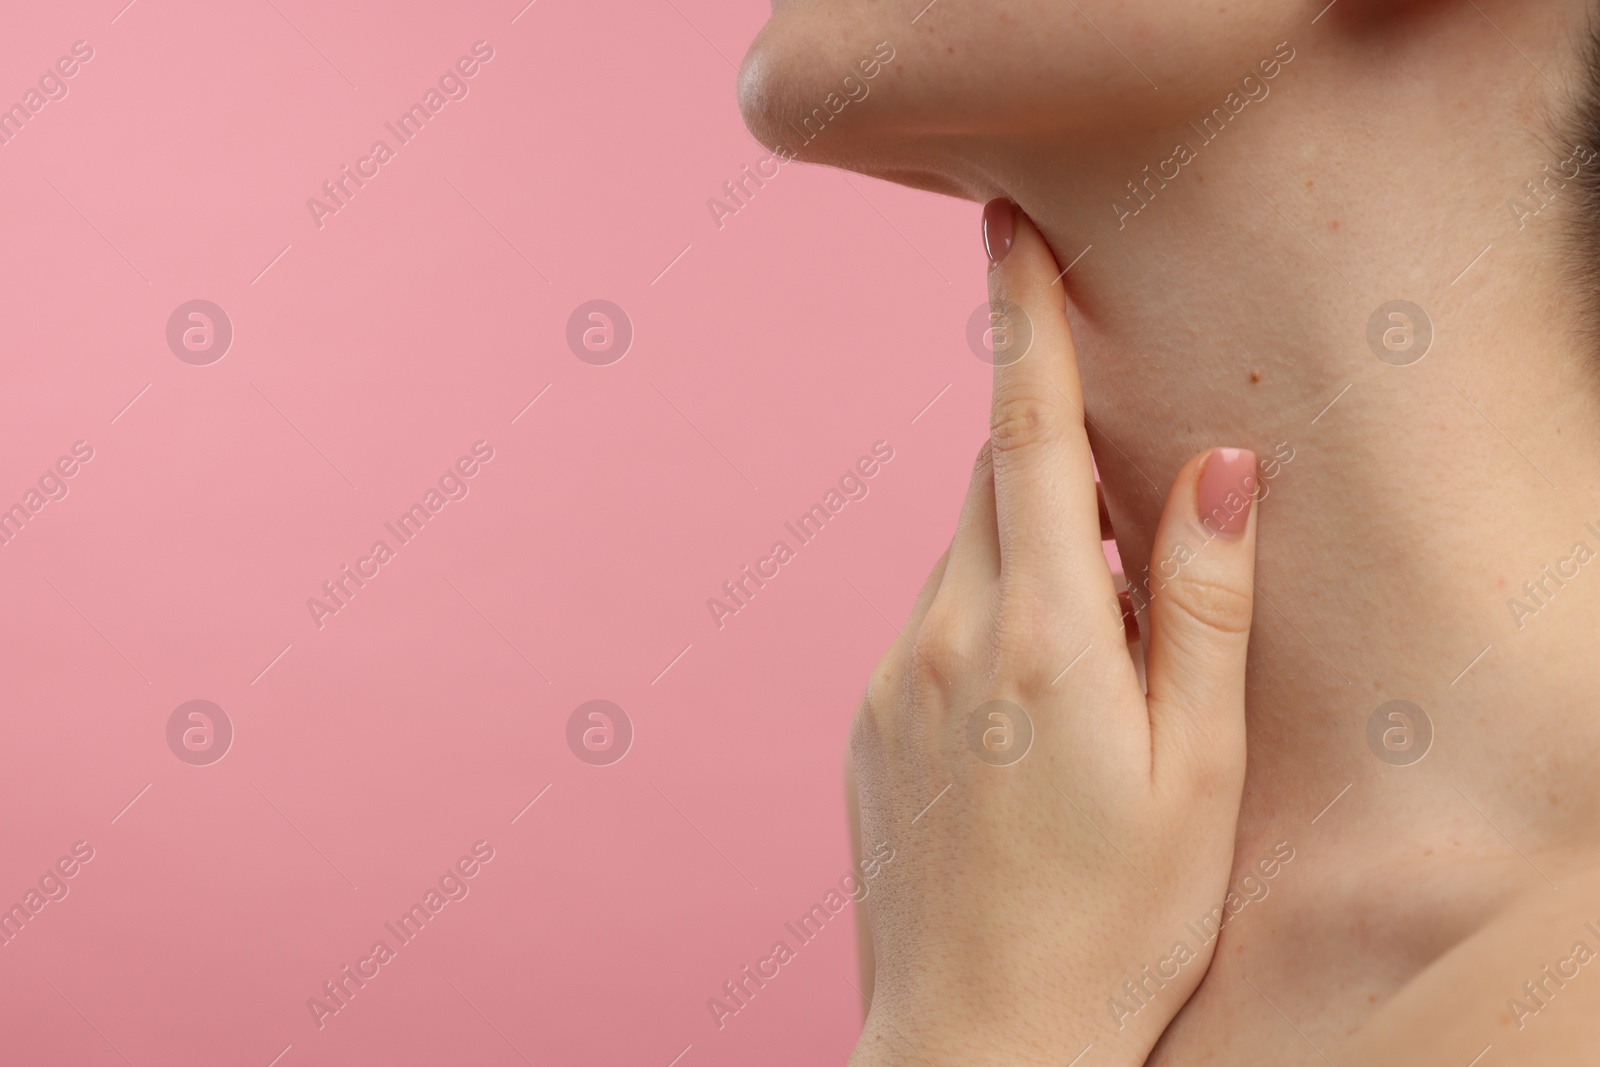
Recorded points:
1227,490
999,227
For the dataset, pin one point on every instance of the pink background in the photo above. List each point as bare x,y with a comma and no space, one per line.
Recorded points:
368,355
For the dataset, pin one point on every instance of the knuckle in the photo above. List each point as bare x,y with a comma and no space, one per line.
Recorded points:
1021,421
1212,604
943,647
877,717
1023,669
884,688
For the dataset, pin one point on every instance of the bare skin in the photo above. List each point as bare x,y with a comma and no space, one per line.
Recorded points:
1232,309
1009,740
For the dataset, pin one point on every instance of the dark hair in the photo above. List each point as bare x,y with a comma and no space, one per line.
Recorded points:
1576,135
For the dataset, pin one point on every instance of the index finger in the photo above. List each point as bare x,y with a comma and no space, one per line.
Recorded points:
1045,496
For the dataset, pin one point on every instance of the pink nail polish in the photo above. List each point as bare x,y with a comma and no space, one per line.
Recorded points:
1227,491
999,227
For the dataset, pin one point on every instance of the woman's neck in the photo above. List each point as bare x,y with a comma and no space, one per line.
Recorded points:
1410,507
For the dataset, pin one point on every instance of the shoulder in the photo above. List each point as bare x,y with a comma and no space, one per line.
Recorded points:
1525,988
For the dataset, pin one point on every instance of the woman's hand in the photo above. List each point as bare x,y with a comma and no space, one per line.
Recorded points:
1058,833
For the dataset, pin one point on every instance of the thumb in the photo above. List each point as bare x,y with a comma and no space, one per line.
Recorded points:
1202,597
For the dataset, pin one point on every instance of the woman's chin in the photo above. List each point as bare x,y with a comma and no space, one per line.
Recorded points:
813,92
781,78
